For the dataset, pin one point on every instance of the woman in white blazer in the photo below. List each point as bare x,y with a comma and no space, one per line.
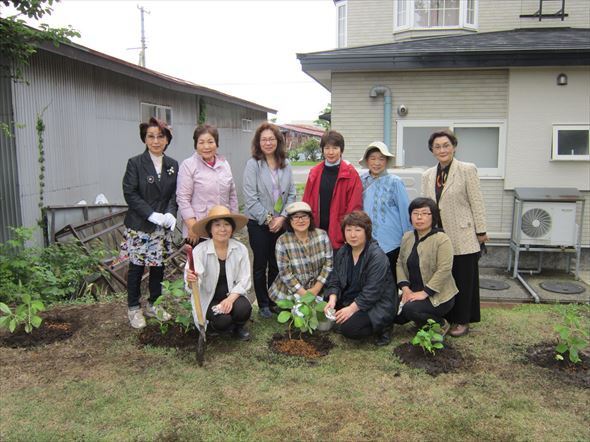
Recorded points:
454,185
268,190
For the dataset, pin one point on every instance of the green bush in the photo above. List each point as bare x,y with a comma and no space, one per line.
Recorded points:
53,273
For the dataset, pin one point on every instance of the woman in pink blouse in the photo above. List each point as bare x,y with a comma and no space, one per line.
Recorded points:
204,181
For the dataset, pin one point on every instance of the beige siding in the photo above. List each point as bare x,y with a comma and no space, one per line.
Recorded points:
466,94
371,21
505,14
529,140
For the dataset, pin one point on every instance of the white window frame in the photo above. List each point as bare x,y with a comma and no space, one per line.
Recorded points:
484,172
555,148
344,5
409,19
246,125
160,112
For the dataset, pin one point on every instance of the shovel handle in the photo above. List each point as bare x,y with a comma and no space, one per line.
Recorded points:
195,286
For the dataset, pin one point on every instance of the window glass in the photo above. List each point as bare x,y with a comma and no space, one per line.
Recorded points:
163,113
342,26
415,145
401,13
478,145
572,142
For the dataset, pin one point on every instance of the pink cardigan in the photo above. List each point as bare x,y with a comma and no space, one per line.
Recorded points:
200,187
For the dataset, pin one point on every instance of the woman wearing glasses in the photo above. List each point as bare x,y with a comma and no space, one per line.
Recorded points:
304,256
424,268
454,185
149,188
268,190
204,181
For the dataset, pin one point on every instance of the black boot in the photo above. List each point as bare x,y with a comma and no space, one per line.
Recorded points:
384,337
241,333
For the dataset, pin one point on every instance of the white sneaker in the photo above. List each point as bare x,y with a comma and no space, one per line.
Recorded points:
136,318
157,312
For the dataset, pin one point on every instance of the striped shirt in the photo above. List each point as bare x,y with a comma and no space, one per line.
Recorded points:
300,264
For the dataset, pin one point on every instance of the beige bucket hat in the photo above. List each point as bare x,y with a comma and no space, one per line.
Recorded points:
218,212
298,206
382,147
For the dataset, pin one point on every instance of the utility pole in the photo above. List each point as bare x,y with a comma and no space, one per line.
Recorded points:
142,11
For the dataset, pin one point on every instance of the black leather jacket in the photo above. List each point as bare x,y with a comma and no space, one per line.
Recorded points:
145,194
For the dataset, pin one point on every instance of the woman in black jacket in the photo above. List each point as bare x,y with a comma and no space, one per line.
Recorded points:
149,188
360,286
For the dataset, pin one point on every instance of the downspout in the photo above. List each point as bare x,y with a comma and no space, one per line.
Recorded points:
386,92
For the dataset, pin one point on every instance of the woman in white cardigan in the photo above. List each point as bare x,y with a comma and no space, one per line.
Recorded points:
454,185
222,269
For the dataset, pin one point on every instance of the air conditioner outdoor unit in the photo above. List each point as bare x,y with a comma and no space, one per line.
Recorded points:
546,223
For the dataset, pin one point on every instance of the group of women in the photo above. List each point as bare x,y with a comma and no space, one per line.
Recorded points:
354,240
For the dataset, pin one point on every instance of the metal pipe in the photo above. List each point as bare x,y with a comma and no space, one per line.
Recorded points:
529,288
386,92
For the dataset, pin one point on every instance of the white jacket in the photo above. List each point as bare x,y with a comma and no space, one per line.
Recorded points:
237,269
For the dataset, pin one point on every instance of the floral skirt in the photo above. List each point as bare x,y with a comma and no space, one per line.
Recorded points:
148,249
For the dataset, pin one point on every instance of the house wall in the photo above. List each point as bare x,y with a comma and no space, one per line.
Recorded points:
10,214
485,95
91,118
371,21
535,92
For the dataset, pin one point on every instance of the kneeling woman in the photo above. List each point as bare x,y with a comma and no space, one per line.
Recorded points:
424,268
360,287
222,270
304,255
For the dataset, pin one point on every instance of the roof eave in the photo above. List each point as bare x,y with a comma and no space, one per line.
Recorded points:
105,61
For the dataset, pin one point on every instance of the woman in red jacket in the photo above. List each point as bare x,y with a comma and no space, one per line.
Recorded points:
333,188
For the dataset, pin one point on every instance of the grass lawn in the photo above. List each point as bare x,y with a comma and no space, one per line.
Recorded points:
304,163
101,385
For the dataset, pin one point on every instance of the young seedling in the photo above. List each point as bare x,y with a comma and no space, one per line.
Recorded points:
175,301
572,334
429,337
301,312
24,313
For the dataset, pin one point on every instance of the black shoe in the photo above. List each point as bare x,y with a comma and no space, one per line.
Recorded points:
383,338
241,333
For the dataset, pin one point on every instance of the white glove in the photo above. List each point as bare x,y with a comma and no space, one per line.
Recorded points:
157,218
169,221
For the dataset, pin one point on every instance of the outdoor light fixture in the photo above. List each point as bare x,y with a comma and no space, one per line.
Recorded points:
562,80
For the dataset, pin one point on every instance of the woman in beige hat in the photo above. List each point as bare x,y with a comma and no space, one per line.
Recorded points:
304,256
222,269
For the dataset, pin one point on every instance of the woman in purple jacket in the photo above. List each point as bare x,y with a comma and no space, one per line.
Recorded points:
204,181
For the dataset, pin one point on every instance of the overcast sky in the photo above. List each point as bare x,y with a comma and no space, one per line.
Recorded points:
245,48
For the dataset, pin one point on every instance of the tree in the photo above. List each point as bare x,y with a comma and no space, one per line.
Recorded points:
324,123
18,41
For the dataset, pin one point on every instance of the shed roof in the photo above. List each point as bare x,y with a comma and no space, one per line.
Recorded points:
518,47
105,61
303,129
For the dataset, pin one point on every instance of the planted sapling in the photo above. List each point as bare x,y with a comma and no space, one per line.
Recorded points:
429,337
301,312
572,334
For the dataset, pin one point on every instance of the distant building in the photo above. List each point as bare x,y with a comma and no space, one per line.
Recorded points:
297,134
91,105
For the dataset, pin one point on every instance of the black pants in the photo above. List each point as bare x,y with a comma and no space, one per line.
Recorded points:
392,256
262,242
239,315
134,284
466,274
421,311
357,326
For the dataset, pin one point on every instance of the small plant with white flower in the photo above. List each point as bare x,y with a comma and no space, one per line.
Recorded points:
301,312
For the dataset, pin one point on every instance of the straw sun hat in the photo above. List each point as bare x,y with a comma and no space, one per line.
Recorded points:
218,212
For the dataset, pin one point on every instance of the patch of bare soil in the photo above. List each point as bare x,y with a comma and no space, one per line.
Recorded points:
543,355
174,338
54,328
446,360
309,346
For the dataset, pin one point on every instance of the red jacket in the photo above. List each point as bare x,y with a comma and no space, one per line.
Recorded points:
347,197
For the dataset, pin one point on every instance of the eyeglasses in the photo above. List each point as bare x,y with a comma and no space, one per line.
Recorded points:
267,140
300,217
446,146
156,137
421,214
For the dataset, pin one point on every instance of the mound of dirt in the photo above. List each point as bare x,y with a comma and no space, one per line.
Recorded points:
52,330
309,346
446,360
543,355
